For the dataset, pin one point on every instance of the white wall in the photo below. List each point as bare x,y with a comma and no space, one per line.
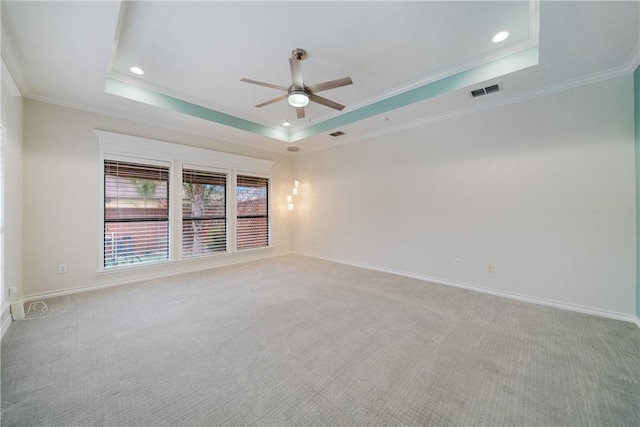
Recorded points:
542,189
61,201
12,169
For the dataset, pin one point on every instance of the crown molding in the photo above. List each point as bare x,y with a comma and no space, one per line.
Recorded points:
632,62
10,84
164,91
626,69
8,61
156,123
531,41
444,73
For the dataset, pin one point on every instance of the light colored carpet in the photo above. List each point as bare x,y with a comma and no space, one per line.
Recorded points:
297,341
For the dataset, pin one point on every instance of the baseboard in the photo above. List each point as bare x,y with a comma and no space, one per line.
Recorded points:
143,278
5,316
525,298
504,294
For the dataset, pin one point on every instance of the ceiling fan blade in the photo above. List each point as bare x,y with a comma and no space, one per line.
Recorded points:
326,102
300,112
271,101
296,73
255,82
330,85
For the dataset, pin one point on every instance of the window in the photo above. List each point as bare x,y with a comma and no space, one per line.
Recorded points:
252,197
204,212
136,213
175,205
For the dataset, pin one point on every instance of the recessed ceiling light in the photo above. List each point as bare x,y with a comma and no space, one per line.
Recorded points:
136,70
501,36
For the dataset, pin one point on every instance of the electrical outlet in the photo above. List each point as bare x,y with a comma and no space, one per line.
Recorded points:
62,268
489,268
12,292
457,263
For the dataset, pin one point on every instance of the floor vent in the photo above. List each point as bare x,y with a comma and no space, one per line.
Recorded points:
485,90
338,133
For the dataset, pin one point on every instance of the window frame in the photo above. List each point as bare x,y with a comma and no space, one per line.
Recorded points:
127,148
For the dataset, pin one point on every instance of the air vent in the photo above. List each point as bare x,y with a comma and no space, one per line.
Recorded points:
338,133
485,90
491,89
293,149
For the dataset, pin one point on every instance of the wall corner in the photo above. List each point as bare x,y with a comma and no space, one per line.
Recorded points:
636,115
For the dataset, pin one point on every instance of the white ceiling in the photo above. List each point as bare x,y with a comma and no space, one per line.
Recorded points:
64,52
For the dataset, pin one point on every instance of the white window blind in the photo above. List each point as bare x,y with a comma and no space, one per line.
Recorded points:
204,212
136,213
252,198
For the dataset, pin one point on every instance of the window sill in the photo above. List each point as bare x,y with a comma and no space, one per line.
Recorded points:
133,267
260,248
215,259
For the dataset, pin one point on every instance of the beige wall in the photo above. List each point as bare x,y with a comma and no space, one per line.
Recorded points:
12,192
542,189
61,197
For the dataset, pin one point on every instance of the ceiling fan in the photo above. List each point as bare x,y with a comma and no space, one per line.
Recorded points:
298,94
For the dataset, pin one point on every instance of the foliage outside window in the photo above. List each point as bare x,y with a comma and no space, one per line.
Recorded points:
252,198
136,213
204,219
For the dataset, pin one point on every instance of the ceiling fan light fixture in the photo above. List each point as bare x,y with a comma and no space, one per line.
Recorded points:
298,98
